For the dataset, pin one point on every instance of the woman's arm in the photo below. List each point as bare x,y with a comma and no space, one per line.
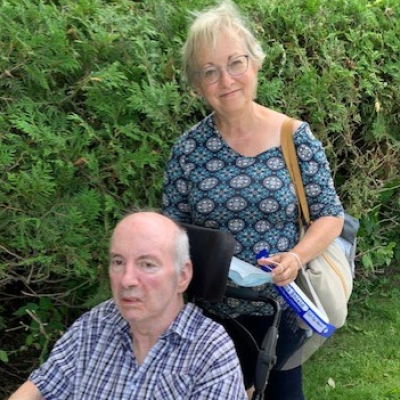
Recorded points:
175,189
317,238
326,211
28,391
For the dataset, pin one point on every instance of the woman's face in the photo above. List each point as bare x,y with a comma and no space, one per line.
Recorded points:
230,93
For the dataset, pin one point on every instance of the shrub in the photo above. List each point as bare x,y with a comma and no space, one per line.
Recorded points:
92,99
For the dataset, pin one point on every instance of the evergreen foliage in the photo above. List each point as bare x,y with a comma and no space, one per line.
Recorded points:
91,99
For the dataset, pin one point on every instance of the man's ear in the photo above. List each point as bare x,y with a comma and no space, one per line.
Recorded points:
185,276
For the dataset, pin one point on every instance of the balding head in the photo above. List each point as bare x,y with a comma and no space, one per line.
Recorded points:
160,228
149,270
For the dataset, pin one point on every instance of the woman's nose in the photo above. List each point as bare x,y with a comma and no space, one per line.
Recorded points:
226,78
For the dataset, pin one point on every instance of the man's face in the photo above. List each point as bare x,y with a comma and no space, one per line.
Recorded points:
145,283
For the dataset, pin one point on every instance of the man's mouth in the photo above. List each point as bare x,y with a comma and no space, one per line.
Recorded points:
130,300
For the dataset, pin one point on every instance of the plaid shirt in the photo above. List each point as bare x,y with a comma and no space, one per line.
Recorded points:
194,359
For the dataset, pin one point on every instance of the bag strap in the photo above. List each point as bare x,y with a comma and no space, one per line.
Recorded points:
292,163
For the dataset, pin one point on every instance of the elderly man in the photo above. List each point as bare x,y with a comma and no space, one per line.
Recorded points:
145,343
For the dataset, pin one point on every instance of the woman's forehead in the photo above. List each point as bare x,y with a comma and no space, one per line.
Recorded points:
225,46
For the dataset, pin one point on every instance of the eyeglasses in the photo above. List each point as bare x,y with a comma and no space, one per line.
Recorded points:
236,66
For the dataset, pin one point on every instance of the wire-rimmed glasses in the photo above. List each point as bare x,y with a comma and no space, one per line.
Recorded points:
236,66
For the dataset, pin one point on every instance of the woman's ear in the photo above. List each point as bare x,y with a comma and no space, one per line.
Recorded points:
197,89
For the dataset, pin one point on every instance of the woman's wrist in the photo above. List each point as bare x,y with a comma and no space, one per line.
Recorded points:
297,257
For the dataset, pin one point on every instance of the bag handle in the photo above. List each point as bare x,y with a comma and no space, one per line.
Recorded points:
292,163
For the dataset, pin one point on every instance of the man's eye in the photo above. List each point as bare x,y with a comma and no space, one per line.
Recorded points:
149,266
116,264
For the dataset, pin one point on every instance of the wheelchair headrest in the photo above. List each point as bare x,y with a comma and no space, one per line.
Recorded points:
211,252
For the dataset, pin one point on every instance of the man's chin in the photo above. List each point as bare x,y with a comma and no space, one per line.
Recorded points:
129,309
132,315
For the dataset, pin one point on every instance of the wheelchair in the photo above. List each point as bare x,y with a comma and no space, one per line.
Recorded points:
211,253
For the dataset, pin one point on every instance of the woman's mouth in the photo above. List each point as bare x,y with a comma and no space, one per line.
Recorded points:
230,93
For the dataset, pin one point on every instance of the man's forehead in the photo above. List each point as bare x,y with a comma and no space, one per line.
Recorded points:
147,222
147,231
140,242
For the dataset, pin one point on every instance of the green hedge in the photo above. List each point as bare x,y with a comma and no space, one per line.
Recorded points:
91,99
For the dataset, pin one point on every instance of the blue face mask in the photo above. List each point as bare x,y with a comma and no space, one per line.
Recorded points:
245,274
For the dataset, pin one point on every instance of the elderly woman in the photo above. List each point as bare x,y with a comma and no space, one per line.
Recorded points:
228,173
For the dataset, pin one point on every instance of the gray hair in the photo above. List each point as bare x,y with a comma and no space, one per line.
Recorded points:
181,248
206,29
180,244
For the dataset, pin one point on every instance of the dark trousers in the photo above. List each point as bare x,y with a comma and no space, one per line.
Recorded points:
285,385
282,384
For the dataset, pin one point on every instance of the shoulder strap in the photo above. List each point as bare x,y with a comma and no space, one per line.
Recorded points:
290,156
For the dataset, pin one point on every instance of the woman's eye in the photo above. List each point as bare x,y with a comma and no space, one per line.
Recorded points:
209,73
236,63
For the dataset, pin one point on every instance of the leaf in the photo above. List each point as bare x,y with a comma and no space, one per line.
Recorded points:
331,383
3,356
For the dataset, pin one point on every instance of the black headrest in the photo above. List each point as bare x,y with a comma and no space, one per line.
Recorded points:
211,251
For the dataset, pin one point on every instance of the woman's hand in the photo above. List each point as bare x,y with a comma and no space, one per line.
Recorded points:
284,267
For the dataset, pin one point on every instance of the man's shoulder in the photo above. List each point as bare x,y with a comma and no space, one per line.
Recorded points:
206,343
197,325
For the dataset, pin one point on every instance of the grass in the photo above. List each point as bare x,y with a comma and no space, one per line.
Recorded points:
362,360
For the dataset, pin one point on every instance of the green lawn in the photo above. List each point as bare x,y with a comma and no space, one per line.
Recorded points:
362,360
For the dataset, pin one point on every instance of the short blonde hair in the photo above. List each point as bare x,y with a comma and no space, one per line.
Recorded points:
206,29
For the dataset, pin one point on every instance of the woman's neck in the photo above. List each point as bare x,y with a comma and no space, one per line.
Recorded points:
239,126
251,132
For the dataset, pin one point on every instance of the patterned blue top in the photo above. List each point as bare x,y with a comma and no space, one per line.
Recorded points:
193,359
208,184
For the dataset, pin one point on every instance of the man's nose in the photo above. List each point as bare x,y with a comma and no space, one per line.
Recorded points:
130,277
